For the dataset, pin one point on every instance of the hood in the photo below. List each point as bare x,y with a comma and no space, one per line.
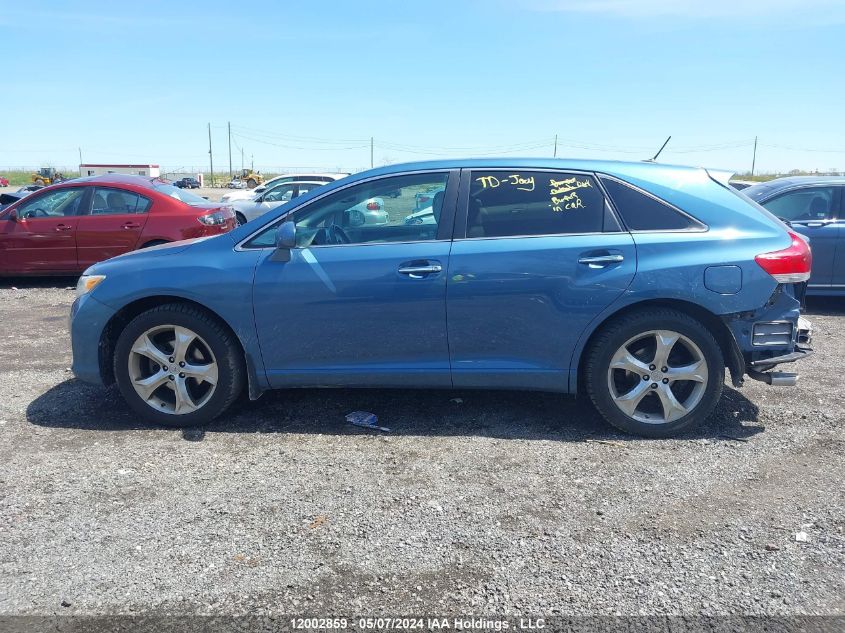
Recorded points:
171,248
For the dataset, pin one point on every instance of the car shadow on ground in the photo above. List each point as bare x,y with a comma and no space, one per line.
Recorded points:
497,414
25,283
825,306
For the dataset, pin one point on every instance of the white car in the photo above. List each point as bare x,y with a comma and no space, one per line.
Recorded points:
370,211
258,205
278,180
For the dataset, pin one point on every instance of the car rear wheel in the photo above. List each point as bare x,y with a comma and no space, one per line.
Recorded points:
177,366
656,372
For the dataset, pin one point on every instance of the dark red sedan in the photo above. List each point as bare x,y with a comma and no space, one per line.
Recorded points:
65,228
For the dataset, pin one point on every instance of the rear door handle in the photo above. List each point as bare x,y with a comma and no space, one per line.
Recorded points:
63,227
131,225
598,261
420,270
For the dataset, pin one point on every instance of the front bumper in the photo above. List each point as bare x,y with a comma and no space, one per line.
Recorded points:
88,319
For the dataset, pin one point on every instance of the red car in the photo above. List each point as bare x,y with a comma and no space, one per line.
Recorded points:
65,228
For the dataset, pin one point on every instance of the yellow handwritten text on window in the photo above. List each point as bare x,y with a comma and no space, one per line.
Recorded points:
518,181
567,184
569,202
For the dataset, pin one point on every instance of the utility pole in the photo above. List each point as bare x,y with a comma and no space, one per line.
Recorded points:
230,150
754,157
80,156
210,155
371,153
252,162
242,159
555,154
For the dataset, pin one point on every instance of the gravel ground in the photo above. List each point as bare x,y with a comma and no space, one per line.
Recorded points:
517,503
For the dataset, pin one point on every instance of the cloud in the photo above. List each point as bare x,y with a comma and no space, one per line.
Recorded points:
816,11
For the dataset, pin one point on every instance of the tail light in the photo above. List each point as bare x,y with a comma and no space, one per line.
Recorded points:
217,218
373,206
790,265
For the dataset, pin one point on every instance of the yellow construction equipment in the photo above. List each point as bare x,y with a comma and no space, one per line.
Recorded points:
252,179
47,176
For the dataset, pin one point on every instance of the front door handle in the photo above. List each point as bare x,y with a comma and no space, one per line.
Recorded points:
420,270
63,227
815,224
131,225
598,261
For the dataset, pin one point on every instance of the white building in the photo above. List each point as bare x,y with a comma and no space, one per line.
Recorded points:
89,169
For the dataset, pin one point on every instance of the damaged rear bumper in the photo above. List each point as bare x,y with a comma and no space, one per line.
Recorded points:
769,337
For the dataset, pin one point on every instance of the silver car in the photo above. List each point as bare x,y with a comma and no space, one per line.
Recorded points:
369,212
261,203
245,194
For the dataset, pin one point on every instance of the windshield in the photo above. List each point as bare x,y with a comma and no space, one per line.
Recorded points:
180,194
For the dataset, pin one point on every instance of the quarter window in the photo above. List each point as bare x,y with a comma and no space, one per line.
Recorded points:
803,205
116,201
503,203
641,212
395,209
58,203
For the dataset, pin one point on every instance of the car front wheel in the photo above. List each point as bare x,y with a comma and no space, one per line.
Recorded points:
656,372
177,366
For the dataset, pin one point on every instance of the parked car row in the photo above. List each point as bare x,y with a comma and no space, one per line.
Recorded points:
813,206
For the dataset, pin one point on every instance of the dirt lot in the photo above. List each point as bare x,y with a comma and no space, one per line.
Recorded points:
502,503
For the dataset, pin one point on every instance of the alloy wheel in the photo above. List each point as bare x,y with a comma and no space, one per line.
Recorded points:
173,369
657,377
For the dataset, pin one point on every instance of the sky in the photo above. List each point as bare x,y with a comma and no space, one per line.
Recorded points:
307,85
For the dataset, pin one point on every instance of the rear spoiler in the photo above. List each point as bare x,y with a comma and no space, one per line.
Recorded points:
722,176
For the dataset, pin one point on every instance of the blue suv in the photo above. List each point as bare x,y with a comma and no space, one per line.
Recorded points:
636,284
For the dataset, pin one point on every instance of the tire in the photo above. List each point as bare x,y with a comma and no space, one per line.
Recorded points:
213,353
252,183
664,404
154,243
240,218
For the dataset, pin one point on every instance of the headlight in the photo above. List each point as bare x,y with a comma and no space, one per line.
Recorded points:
87,283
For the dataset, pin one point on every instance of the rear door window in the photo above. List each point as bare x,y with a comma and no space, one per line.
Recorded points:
643,212
809,204
109,201
510,203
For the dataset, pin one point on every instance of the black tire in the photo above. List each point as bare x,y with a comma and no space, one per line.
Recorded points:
252,183
240,218
616,333
231,372
154,243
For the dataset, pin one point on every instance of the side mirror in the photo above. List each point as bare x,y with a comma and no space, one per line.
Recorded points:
13,215
285,241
